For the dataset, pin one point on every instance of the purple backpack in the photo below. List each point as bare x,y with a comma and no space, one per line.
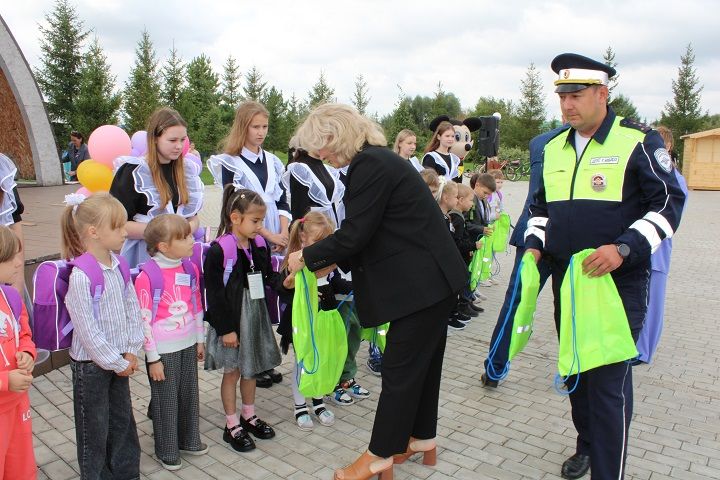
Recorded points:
14,300
228,243
52,327
157,284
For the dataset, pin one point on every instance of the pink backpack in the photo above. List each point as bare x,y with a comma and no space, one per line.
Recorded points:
157,284
52,326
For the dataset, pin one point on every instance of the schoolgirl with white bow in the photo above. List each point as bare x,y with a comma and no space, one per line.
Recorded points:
107,336
172,315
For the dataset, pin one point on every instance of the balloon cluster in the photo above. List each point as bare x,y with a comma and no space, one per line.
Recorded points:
106,143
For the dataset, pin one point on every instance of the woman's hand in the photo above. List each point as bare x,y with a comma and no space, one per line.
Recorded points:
200,352
296,261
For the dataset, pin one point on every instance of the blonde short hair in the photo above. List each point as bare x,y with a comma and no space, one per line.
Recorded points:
165,228
9,244
340,129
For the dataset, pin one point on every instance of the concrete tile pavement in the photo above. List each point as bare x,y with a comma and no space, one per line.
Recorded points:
521,430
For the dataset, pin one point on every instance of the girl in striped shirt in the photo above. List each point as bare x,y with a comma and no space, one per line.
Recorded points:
107,336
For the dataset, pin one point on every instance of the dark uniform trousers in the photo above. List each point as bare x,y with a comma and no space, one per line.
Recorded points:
602,403
412,367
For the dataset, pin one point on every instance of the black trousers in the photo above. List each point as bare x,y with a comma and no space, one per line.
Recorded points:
412,367
602,403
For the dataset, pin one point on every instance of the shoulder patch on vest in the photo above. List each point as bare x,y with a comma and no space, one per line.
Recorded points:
630,123
663,159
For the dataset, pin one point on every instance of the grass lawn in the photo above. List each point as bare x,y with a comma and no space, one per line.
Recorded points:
208,179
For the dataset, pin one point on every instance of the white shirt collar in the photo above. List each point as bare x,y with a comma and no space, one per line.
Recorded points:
115,264
253,157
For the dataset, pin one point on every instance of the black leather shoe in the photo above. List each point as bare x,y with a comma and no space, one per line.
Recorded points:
486,382
263,380
465,309
261,429
461,316
477,308
274,375
238,439
575,466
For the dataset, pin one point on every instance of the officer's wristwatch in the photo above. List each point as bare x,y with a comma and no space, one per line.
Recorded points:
623,250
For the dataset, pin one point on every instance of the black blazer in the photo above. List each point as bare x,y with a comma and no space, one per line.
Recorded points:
393,239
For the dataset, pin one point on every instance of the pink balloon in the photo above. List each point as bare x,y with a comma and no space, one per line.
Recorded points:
194,158
108,142
84,191
138,142
186,146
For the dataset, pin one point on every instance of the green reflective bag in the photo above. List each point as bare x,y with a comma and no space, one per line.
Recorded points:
525,313
594,329
501,232
376,335
319,339
481,263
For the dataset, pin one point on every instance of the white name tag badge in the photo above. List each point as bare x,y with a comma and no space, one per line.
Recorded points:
182,279
256,286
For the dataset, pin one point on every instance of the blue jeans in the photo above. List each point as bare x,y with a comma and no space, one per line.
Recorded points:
107,441
495,367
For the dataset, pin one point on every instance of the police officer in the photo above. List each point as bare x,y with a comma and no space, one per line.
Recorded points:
607,184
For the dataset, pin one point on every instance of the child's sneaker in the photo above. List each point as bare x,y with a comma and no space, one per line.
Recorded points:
325,416
355,390
302,418
374,364
340,397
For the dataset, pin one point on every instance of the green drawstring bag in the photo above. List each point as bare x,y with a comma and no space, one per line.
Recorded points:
594,329
319,339
525,313
501,232
481,263
376,335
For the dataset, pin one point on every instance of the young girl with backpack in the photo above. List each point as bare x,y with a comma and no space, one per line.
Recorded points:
17,358
172,315
241,341
305,231
107,334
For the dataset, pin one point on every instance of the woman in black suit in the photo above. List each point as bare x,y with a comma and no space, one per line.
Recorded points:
406,270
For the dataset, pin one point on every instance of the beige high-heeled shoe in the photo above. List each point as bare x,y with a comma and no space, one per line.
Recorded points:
365,467
429,454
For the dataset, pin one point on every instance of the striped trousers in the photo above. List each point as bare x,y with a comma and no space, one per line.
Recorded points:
175,405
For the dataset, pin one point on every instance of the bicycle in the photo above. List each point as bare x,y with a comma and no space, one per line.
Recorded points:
516,170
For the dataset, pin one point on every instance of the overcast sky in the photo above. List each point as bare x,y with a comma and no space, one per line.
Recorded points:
475,48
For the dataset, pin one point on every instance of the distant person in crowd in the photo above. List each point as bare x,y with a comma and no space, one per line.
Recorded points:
77,152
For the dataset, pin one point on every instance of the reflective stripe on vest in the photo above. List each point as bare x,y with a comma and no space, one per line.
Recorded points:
600,172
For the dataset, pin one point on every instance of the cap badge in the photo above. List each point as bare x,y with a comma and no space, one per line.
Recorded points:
598,182
566,74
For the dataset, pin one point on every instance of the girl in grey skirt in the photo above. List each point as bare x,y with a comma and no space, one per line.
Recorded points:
241,341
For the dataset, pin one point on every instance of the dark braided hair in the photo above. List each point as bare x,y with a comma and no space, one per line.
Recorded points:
240,200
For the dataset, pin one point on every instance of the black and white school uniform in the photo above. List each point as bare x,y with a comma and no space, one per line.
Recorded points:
11,208
416,163
133,186
260,172
446,165
314,186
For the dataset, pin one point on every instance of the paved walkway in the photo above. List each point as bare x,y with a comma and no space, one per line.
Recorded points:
521,430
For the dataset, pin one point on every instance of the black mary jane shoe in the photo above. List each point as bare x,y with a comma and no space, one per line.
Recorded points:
263,380
575,466
260,430
274,375
238,439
